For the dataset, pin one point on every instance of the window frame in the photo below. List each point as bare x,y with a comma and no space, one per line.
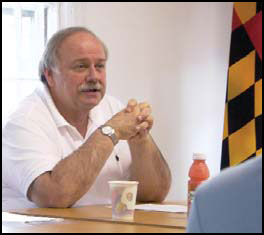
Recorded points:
42,28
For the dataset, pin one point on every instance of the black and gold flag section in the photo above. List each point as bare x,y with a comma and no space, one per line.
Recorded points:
242,138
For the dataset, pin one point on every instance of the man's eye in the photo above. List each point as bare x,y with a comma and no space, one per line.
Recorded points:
100,66
80,66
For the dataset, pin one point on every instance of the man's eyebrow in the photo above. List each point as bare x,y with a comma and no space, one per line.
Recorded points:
102,60
87,60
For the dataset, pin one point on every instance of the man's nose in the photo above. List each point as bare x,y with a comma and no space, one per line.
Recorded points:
92,74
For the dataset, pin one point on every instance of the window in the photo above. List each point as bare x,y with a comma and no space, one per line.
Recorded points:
26,27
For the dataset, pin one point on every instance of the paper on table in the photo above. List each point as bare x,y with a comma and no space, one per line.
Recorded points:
10,217
166,208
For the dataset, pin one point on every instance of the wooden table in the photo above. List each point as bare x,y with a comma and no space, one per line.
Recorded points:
78,226
98,219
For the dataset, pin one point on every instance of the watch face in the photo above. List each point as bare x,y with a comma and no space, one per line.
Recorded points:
107,130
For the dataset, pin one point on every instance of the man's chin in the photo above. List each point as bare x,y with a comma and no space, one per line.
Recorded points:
91,102
91,99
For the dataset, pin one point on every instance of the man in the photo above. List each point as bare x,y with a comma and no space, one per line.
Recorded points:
68,139
231,202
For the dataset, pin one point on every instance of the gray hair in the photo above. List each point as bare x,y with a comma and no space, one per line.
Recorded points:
50,55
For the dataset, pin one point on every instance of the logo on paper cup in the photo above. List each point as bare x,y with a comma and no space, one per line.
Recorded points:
128,197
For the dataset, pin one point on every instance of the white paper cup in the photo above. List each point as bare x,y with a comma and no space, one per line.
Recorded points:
123,195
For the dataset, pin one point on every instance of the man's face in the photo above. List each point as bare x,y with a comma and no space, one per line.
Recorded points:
80,79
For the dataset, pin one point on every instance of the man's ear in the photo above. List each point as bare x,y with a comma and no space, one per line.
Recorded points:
49,77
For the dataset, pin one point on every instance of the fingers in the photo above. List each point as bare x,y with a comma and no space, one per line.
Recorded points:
144,105
132,103
144,114
144,111
144,118
150,121
142,126
146,125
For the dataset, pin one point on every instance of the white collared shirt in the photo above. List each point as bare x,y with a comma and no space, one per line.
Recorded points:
36,137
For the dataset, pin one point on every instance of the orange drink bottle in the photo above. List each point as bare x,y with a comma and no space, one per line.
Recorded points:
198,173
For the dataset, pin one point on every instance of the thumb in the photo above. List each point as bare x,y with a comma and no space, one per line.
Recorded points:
132,103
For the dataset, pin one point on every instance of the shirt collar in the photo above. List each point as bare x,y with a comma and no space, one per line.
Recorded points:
57,117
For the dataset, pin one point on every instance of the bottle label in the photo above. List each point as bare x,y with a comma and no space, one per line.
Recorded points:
190,199
191,191
191,196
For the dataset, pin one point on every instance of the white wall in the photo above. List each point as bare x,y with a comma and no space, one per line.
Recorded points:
174,56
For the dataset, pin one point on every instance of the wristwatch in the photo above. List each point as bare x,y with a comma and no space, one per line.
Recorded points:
110,132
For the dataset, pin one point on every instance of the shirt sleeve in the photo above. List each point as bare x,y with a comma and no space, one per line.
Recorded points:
29,150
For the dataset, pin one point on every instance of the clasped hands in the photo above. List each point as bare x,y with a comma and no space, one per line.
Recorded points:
133,122
144,118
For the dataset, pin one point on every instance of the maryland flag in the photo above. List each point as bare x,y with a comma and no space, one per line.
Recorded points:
242,137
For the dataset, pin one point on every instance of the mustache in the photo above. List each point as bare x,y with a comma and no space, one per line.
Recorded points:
90,87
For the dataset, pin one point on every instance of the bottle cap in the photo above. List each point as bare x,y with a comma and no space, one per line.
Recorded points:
199,156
